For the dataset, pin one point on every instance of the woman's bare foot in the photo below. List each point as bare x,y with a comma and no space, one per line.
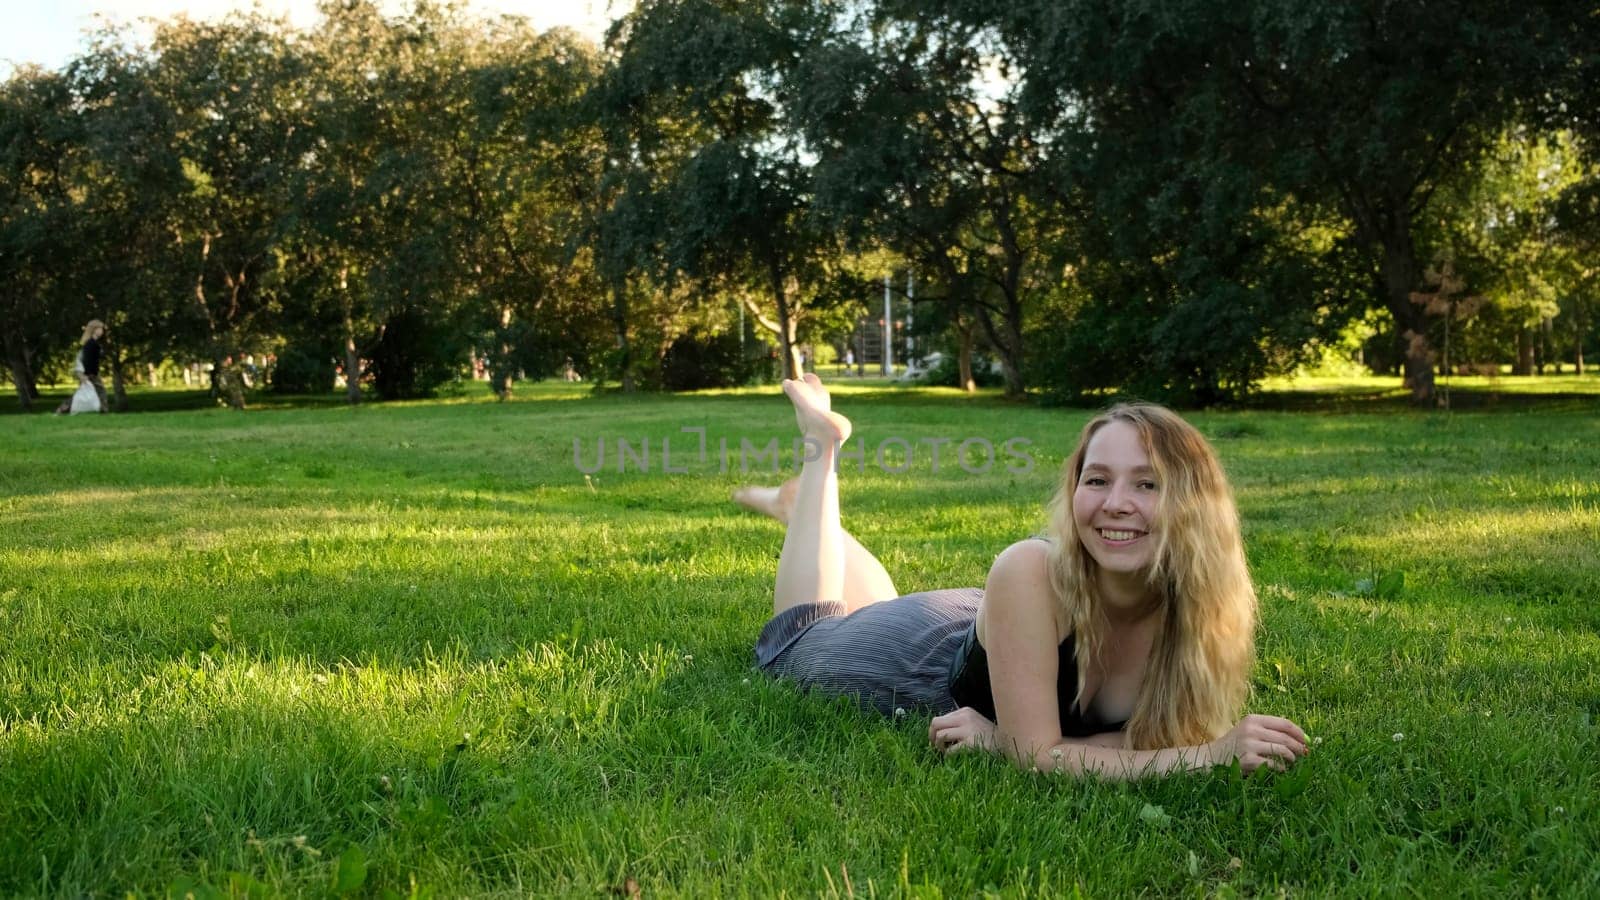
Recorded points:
812,409
776,502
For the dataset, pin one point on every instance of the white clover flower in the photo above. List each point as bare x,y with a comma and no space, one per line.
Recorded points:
899,712
1316,740
1399,736
688,657
1560,810
745,681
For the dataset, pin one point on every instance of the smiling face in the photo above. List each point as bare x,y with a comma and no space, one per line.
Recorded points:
1114,501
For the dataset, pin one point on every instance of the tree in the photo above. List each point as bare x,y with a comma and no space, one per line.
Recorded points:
379,237
1499,225
701,85
525,170
923,148
235,92
37,305
1359,108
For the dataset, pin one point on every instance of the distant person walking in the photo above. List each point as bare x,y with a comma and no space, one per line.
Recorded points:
87,367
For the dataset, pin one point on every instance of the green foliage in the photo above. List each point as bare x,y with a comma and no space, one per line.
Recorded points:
304,368
1219,189
414,355
1191,119
698,361
947,373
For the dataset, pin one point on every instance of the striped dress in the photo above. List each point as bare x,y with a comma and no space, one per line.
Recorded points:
918,652
891,655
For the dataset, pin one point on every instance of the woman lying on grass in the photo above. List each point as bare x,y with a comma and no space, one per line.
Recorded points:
1120,644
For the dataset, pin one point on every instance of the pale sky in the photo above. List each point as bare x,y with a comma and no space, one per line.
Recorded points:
50,32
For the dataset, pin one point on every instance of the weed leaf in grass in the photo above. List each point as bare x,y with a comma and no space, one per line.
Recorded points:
1391,586
243,884
1293,782
1387,586
187,888
1155,815
350,872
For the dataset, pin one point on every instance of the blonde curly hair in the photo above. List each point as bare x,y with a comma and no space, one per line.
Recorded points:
1199,670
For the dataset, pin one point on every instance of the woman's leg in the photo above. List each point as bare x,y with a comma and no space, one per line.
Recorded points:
866,581
811,567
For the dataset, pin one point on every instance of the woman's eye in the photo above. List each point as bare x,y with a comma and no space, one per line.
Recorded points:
1094,481
1148,485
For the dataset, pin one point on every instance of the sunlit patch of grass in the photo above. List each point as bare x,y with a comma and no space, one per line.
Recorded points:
234,647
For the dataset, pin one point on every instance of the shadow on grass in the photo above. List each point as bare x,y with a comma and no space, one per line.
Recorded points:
1370,398
148,400
143,399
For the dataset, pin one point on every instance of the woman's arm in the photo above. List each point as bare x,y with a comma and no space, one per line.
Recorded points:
1255,742
1017,626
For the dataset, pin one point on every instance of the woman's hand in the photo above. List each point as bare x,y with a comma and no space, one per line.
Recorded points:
964,729
1260,741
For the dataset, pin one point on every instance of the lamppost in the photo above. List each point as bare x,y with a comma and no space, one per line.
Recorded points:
911,305
888,335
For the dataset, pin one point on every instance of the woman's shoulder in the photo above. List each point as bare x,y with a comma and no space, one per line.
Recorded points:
1027,557
1019,581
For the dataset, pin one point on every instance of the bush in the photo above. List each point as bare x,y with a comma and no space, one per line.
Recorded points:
694,362
303,368
417,354
947,372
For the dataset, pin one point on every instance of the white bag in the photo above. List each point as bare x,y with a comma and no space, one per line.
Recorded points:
85,399
77,365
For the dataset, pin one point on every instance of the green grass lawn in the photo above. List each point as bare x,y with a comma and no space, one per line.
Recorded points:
411,649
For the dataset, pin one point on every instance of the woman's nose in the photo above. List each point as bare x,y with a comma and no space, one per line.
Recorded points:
1118,500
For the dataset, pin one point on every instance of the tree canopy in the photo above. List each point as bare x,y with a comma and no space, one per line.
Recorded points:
1170,199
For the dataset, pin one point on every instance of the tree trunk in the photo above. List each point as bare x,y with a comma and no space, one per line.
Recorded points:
502,375
1524,364
1577,348
21,374
619,320
1011,362
964,355
786,323
352,356
1007,342
1400,274
352,371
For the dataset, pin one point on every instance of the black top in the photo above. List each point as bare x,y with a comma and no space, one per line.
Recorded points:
969,685
91,357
